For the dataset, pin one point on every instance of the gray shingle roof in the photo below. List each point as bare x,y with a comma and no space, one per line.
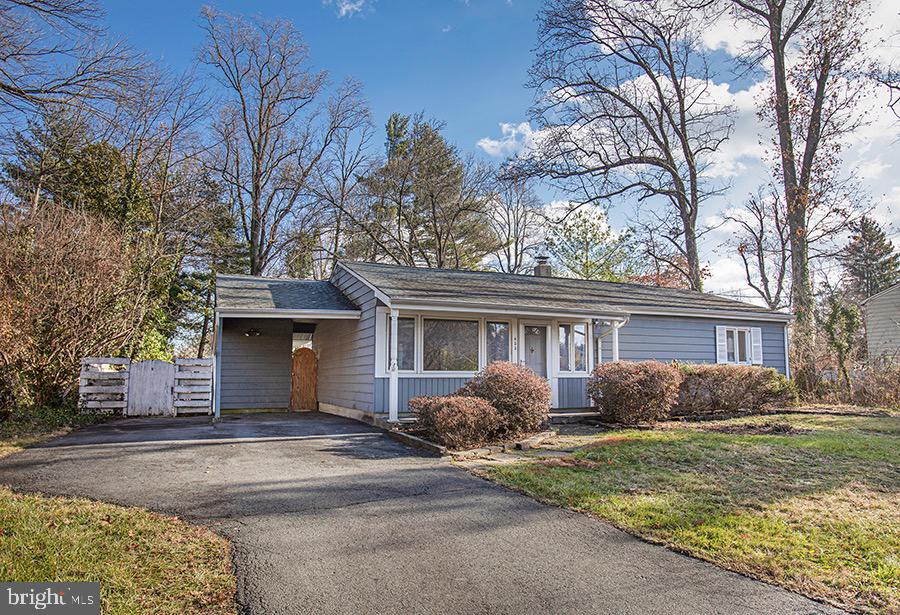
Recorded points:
244,292
533,292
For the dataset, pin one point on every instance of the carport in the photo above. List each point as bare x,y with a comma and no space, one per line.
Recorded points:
271,337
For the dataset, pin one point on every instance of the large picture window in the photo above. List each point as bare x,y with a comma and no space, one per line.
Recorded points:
497,341
450,345
406,344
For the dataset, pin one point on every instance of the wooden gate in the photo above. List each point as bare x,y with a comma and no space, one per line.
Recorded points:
115,385
150,386
303,380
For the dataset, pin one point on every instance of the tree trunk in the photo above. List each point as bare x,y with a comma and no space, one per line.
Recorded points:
204,330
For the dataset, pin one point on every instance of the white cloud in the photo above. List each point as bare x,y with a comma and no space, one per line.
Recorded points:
348,8
447,28
515,139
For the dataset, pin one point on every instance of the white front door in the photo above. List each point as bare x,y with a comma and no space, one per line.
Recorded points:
534,348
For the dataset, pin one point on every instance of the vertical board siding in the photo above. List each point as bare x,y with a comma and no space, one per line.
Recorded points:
691,340
346,350
572,393
256,371
571,390
415,387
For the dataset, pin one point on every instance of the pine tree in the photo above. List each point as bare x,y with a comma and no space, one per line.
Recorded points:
871,264
585,247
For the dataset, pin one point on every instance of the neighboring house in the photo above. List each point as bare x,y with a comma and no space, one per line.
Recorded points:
882,316
383,334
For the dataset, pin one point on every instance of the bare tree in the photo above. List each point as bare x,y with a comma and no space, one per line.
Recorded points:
339,188
517,217
625,106
274,127
55,53
763,243
813,106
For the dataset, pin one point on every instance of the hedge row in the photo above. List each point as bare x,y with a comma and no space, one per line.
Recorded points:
647,391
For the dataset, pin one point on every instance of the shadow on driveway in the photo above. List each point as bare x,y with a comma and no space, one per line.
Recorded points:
328,515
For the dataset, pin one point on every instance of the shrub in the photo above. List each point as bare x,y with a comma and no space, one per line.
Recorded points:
877,385
626,392
712,389
521,397
455,421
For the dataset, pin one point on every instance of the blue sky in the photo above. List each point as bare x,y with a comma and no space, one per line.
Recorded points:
464,63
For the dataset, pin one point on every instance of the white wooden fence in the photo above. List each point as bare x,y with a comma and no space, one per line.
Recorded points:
146,388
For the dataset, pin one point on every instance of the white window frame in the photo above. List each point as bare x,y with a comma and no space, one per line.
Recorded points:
382,350
745,331
588,350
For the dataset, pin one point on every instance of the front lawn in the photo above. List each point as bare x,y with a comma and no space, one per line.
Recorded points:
810,502
145,562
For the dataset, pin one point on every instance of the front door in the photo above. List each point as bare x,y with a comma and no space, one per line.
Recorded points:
303,380
535,337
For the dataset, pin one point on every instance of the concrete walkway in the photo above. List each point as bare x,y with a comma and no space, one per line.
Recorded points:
330,516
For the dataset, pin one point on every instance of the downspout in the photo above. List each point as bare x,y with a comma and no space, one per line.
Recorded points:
614,329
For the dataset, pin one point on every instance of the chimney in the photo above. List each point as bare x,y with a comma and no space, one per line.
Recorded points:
542,266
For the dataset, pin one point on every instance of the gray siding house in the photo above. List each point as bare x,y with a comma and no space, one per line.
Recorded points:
383,334
882,317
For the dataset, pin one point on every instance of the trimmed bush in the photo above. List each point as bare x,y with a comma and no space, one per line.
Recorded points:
457,422
521,397
708,390
640,392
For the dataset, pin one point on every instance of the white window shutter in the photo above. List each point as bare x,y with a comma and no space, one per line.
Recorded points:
721,346
756,346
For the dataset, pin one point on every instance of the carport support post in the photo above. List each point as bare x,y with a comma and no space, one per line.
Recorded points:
394,385
615,340
217,369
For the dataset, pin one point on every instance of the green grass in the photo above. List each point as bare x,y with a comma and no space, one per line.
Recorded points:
816,509
145,562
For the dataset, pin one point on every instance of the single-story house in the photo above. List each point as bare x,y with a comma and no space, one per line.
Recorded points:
882,317
365,342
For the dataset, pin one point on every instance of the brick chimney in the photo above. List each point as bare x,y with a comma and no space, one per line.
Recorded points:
542,266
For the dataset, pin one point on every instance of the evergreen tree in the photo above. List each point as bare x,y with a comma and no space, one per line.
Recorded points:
871,264
585,247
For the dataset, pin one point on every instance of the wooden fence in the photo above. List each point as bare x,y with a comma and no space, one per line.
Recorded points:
146,388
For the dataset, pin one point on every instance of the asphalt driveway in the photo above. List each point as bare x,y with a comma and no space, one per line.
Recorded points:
331,516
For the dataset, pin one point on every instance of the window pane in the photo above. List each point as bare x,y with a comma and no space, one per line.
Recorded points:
450,345
578,343
564,331
742,346
406,344
729,345
497,341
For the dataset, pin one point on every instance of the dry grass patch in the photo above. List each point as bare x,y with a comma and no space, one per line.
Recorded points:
145,562
812,504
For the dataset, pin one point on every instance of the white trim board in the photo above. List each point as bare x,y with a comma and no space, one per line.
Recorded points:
280,313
